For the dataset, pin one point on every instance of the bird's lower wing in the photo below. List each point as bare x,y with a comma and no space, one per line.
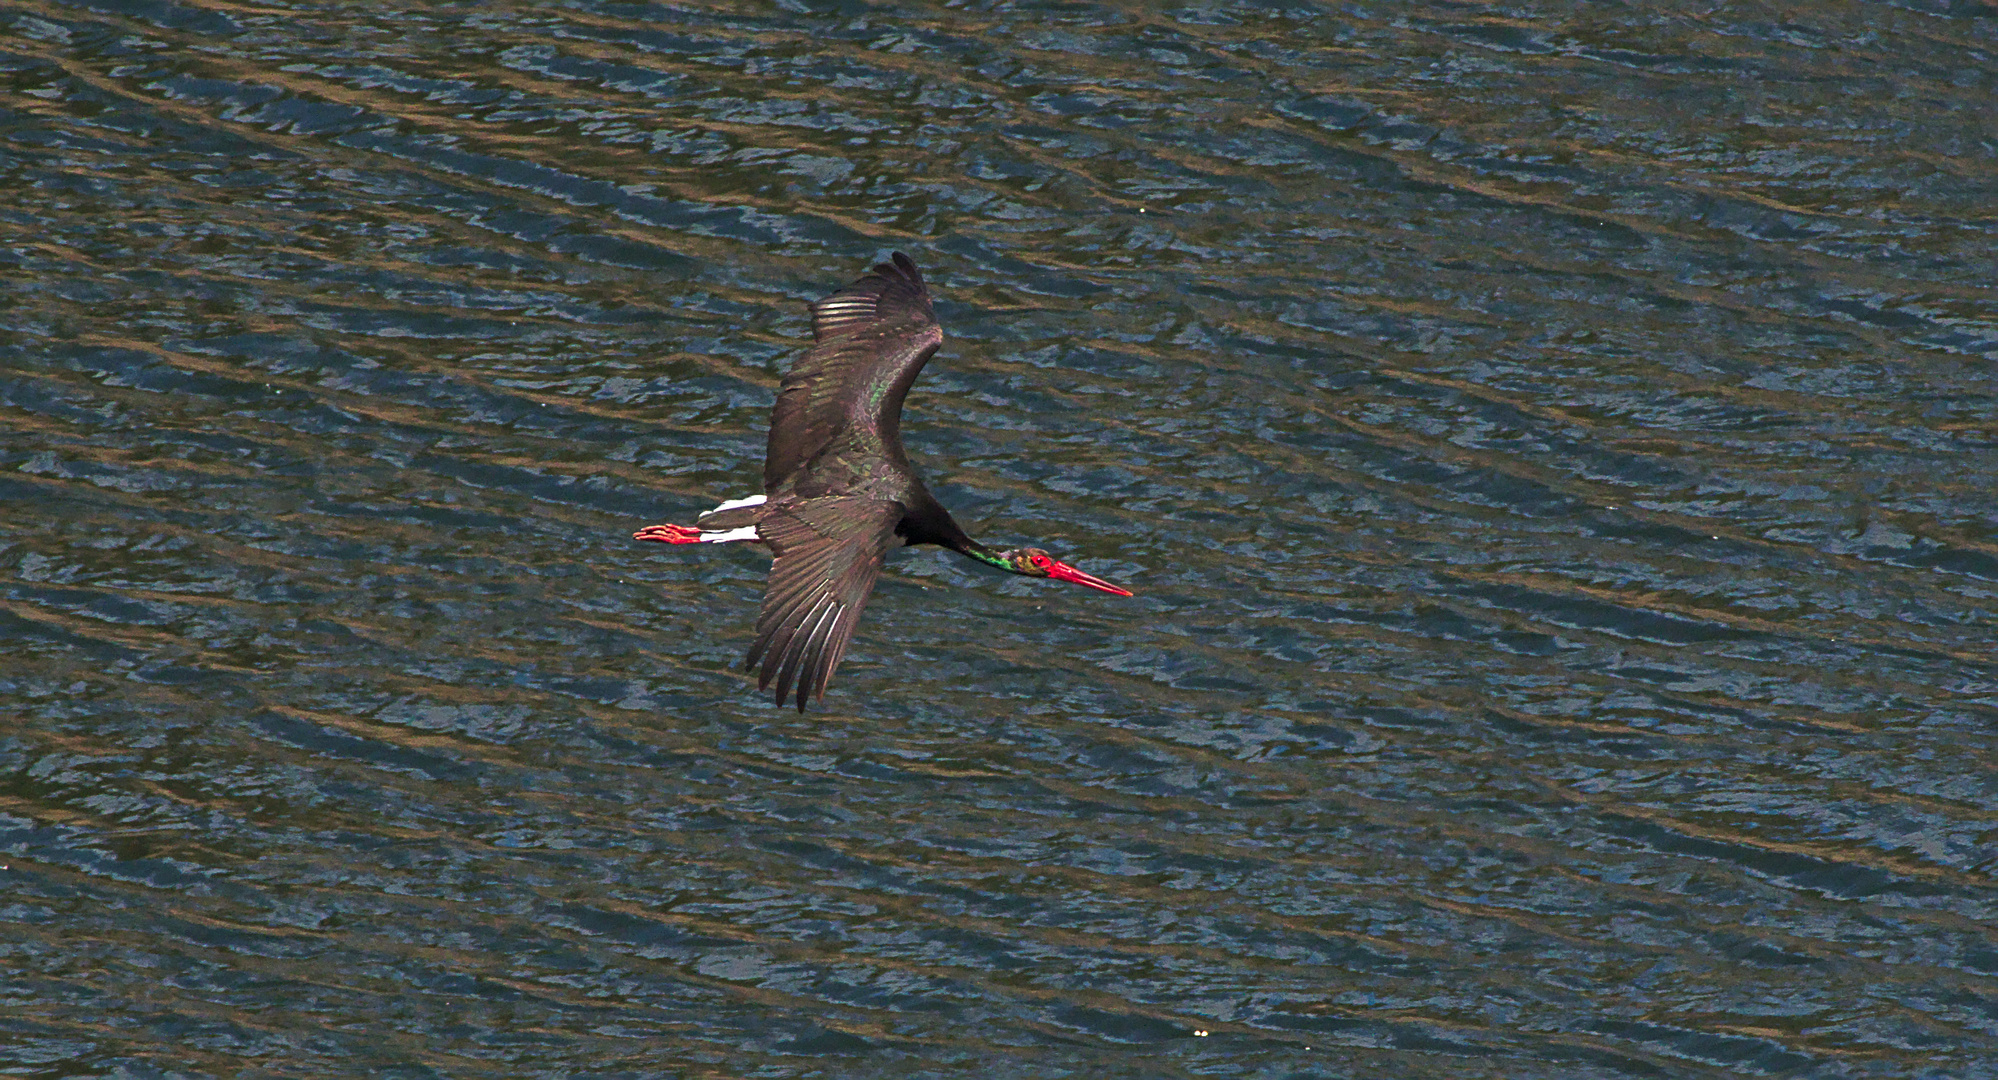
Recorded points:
829,554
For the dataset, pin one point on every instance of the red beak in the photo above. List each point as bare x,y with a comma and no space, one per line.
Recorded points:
1061,571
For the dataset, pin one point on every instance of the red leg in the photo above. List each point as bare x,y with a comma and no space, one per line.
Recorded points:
669,534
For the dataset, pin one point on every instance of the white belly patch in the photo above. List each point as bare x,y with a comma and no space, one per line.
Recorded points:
723,536
732,504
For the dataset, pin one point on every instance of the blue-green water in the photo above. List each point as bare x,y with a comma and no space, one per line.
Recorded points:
1553,447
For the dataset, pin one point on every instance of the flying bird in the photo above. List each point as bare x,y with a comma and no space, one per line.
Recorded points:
838,490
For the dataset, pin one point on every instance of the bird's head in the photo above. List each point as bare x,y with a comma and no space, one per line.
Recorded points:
1033,562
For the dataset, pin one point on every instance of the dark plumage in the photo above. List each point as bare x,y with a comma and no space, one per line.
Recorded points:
838,490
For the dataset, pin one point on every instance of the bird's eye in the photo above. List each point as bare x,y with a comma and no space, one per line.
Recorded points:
1042,561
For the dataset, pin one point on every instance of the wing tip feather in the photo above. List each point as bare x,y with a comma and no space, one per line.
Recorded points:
860,302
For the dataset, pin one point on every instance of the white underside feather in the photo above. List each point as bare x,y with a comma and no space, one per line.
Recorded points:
753,500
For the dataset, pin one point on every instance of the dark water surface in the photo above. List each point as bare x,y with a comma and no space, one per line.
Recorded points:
1555,447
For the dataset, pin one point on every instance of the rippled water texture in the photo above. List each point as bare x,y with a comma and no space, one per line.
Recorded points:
1553,447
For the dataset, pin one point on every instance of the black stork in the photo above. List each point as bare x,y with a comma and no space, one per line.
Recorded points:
838,490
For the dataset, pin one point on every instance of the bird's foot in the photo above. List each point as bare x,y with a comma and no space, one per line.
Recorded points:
669,534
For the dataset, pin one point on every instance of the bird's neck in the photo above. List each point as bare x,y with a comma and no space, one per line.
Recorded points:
973,549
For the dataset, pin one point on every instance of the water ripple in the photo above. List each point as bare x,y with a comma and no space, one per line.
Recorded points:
1550,449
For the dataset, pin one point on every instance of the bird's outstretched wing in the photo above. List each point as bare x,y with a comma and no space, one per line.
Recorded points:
872,338
829,553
